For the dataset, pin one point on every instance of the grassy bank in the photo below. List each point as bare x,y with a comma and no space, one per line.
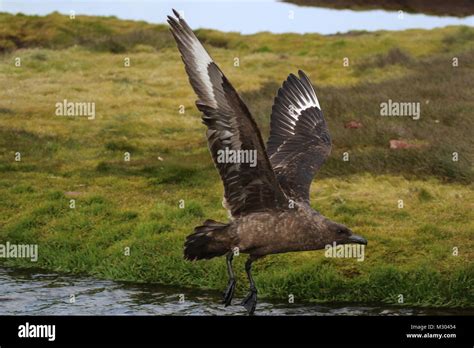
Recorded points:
134,204
458,8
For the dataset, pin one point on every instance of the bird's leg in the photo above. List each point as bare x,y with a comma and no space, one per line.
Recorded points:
250,301
229,291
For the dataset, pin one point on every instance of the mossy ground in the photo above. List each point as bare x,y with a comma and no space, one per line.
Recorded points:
134,204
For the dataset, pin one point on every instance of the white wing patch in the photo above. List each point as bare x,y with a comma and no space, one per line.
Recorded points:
226,205
202,61
296,109
293,98
192,49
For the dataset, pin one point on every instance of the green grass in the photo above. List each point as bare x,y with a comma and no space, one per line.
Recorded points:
135,204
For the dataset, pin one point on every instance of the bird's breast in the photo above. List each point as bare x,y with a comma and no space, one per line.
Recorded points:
272,232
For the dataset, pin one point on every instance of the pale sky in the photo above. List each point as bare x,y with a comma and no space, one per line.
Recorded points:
245,16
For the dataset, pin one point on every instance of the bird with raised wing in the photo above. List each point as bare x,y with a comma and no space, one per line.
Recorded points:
267,198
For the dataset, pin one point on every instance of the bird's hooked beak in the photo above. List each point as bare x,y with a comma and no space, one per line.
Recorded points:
357,239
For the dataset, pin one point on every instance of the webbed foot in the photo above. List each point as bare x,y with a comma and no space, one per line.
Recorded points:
229,292
250,301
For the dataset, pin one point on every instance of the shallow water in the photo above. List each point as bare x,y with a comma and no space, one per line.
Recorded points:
33,292
245,16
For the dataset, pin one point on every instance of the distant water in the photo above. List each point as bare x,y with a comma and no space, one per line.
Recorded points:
245,16
34,292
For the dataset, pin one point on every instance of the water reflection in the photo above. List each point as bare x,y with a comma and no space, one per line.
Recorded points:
30,292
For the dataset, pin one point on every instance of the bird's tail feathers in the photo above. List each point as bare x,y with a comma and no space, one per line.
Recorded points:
207,241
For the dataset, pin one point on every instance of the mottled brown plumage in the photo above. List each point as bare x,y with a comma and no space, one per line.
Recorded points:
268,202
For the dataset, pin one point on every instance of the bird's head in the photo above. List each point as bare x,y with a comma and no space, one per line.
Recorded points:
343,235
329,231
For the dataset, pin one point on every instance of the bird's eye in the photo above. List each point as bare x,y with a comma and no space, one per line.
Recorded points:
341,231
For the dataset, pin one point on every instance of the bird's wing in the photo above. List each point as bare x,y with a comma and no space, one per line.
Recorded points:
299,141
248,187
